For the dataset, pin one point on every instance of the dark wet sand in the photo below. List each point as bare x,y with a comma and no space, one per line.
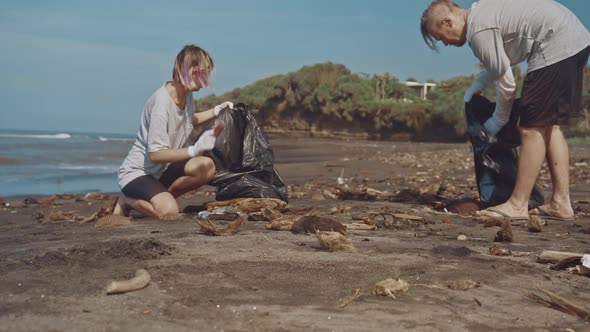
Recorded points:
54,274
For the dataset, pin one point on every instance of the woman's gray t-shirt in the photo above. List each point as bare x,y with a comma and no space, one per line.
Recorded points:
503,33
163,126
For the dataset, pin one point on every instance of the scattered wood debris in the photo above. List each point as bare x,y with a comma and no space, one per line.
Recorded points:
505,234
249,205
562,304
141,280
497,251
334,241
346,301
391,287
209,228
534,225
112,220
283,223
312,224
463,284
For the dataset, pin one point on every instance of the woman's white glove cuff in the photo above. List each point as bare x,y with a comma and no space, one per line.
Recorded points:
192,152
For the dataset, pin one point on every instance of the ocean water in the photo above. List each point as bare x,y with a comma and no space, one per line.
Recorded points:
45,163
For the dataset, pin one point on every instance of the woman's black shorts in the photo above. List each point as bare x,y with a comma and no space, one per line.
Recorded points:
147,186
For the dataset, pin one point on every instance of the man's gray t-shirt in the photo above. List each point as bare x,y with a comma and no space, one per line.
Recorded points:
163,126
503,33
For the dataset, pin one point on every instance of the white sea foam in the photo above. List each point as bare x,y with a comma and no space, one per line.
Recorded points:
90,168
109,139
54,136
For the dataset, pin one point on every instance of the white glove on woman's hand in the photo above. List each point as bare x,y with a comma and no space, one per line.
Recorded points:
204,143
221,106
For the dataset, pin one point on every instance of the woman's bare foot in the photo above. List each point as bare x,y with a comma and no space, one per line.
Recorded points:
121,207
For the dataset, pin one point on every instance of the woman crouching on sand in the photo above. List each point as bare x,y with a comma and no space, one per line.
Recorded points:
160,165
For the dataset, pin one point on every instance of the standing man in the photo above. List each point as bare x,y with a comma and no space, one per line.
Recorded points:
555,45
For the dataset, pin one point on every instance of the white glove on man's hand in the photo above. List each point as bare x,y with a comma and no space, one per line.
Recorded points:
221,106
204,143
478,86
492,126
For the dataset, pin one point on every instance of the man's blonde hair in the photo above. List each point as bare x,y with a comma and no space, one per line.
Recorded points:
427,17
192,56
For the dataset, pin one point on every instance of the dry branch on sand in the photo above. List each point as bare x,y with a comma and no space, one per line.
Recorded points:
334,241
391,287
562,304
141,280
249,205
209,228
346,301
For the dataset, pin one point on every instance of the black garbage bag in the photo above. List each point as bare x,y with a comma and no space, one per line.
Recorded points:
244,159
496,158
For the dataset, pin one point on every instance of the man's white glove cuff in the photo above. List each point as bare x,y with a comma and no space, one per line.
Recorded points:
216,110
192,151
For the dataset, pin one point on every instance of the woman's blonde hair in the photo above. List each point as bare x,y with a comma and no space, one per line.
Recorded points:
193,56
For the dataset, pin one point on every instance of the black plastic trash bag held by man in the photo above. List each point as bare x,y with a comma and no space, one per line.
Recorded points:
555,45
495,158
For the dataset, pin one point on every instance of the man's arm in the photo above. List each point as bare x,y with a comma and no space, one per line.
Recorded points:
488,47
505,93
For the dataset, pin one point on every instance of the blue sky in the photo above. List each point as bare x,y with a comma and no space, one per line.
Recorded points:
91,65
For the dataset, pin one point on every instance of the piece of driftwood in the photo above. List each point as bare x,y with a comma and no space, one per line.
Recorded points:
549,256
141,280
562,304
209,228
359,227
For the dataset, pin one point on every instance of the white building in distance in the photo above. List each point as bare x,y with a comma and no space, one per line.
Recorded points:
421,87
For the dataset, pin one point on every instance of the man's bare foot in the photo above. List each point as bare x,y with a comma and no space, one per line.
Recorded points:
121,207
504,211
553,211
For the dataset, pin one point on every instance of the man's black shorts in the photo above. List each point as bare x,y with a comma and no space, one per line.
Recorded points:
553,95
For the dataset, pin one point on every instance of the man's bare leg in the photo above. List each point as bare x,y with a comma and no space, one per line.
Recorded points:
559,204
530,160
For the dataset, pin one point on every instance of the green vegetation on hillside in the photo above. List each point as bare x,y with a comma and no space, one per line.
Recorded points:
328,100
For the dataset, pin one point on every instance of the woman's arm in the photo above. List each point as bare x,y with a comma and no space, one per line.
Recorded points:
166,156
205,142
202,117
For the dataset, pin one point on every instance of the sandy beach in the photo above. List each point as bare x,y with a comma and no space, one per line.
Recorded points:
54,273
